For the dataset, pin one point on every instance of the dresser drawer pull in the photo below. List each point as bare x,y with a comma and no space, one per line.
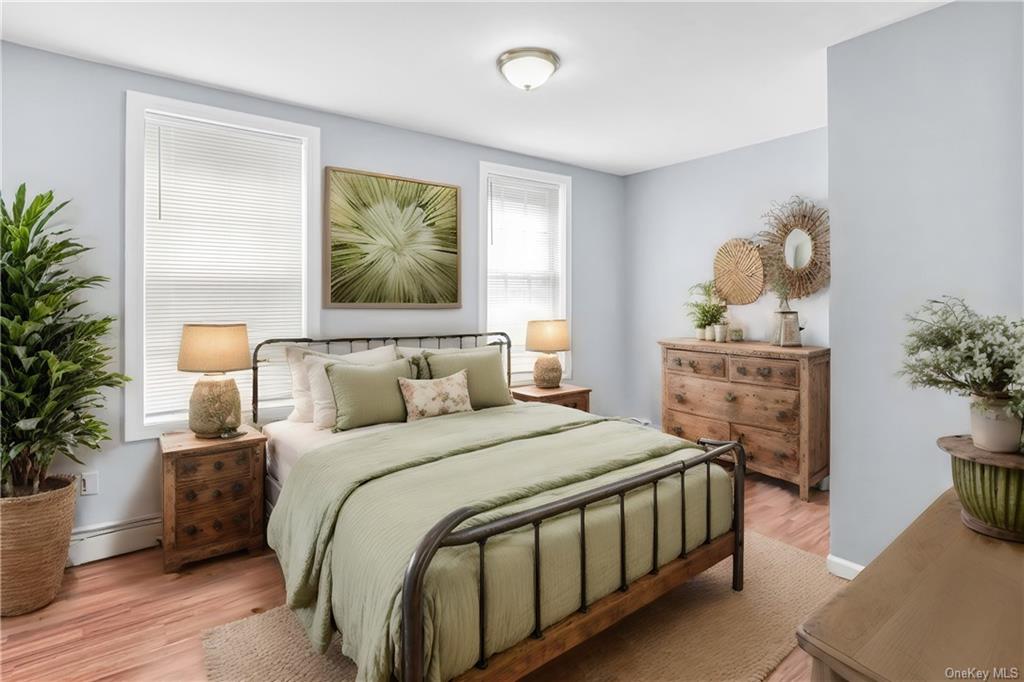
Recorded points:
191,495
217,493
190,468
680,398
730,397
237,487
191,530
782,415
217,525
693,365
716,367
240,459
678,362
218,465
678,430
780,455
742,371
764,371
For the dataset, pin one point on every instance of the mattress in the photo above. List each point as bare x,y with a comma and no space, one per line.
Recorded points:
287,441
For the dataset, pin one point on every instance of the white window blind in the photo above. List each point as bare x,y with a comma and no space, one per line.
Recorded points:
526,258
224,223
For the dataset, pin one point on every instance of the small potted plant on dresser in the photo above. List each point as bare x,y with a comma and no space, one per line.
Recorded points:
954,349
707,311
54,365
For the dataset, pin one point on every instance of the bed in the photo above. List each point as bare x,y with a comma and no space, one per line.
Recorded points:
484,544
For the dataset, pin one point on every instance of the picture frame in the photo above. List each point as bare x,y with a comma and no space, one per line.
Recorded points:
366,215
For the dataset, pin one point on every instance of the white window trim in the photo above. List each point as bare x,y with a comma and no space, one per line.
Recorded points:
564,182
136,106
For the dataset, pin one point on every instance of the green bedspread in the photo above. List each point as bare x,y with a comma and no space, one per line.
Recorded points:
350,515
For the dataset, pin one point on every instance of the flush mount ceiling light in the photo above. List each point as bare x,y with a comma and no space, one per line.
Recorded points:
528,67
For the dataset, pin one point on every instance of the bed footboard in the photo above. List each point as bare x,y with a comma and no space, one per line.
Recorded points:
591,617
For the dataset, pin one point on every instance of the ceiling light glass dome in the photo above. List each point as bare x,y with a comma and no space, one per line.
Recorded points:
528,68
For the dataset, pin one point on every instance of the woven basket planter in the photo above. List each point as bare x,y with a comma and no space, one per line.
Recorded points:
35,532
990,486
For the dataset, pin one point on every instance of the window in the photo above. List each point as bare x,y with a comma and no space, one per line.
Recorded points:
524,256
216,210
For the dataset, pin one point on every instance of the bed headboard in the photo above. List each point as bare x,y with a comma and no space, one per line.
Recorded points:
341,346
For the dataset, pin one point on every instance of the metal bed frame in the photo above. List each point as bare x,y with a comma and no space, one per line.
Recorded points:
591,617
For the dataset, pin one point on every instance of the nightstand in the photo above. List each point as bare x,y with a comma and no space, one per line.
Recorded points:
576,397
213,495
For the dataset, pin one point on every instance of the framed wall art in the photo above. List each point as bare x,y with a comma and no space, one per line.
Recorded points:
390,242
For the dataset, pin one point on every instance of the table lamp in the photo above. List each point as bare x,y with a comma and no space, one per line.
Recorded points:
548,337
214,410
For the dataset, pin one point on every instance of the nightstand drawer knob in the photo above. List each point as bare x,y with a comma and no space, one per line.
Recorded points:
238,519
218,465
730,397
217,493
191,530
217,525
680,398
237,488
191,495
240,459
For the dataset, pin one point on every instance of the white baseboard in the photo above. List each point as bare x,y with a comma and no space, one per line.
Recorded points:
842,568
92,543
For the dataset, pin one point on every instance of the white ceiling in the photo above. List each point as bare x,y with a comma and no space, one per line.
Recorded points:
641,85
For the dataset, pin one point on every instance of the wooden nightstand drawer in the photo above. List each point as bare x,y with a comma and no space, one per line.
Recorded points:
229,463
214,525
190,495
212,494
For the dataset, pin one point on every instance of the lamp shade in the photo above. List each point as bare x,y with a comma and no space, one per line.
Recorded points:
214,348
547,336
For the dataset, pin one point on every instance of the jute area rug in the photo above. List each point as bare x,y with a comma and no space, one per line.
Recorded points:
700,631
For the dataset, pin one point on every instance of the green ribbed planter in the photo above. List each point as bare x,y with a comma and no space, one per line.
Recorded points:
990,486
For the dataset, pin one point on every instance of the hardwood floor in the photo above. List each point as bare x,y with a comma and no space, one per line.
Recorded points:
123,618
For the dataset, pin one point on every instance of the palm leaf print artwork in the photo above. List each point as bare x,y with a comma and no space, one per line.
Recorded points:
393,242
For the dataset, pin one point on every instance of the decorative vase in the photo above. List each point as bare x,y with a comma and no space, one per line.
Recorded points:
990,486
35,533
709,333
721,333
699,333
992,427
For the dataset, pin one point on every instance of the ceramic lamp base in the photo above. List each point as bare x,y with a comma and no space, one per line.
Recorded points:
547,371
215,409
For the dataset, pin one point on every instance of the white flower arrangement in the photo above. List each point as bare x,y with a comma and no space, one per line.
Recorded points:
952,348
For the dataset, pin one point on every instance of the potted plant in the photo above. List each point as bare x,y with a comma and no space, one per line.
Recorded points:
54,365
952,348
707,311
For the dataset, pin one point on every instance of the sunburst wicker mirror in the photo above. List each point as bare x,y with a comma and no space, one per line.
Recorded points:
795,247
739,272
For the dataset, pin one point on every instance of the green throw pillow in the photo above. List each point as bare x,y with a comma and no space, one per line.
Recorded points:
367,395
486,376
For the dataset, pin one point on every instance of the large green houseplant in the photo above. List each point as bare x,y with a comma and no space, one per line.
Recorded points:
55,363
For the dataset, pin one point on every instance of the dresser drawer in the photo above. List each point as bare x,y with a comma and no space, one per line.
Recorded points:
769,450
230,463
695,363
777,409
220,491
692,427
764,372
216,524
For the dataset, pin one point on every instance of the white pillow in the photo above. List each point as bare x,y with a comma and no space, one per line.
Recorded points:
325,412
304,410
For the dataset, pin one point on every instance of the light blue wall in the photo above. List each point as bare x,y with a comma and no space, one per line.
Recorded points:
63,129
925,188
677,218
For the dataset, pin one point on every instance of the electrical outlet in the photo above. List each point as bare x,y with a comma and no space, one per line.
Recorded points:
90,483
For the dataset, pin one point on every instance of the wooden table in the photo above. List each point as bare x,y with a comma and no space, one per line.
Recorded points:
939,601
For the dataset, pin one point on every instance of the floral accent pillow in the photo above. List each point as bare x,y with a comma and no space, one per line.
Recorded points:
434,397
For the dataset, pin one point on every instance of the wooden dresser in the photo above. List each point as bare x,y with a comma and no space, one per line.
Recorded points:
773,400
213,495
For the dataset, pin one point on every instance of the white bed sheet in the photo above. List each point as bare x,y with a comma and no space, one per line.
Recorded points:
288,441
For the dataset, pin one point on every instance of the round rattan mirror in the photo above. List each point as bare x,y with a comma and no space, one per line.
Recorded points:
795,247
